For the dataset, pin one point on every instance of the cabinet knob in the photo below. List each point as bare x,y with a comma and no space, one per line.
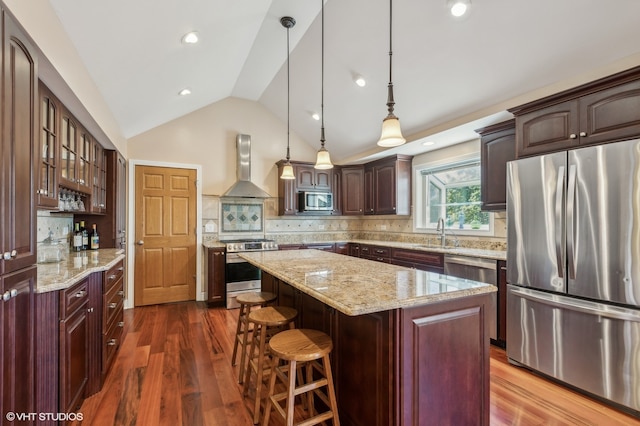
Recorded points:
14,292
112,277
112,305
6,255
583,134
572,136
6,296
140,242
121,293
121,324
14,253
80,294
112,342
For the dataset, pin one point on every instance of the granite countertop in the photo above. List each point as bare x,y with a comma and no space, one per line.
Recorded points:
214,244
62,275
461,251
357,286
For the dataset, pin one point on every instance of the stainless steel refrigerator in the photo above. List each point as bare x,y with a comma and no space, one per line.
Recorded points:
573,268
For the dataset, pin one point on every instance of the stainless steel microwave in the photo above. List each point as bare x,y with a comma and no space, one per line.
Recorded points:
315,201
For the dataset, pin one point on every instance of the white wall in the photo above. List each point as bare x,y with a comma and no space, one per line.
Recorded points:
207,137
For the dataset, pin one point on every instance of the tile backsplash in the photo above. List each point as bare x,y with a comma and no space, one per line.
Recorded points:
335,228
59,224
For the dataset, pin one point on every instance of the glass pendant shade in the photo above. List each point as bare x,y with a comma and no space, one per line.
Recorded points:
287,171
391,132
323,160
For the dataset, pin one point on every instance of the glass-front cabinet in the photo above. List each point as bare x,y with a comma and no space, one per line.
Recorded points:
47,190
84,161
68,152
99,178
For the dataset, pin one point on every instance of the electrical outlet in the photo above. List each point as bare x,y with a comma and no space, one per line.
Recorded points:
209,227
383,227
321,227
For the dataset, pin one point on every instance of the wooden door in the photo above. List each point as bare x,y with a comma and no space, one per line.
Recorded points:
165,235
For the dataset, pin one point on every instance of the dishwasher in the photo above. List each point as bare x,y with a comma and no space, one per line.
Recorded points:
476,269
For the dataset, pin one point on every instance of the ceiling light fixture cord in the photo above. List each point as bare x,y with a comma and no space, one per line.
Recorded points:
288,95
390,101
287,170
322,82
323,159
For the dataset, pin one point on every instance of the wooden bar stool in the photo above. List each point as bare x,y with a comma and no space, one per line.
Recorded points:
247,301
301,347
266,323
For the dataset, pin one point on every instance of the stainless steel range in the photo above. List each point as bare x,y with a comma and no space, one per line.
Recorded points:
241,276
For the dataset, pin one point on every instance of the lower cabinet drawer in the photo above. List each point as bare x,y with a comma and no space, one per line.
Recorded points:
111,341
113,301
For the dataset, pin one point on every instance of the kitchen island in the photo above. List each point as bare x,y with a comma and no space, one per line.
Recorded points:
410,347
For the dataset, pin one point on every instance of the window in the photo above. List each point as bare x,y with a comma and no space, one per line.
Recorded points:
451,192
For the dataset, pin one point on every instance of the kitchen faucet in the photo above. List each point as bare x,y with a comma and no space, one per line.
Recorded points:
440,229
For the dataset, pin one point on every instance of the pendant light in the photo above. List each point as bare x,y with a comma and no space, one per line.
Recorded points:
287,170
323,161
391,132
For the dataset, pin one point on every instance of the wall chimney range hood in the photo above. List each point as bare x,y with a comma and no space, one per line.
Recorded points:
244,188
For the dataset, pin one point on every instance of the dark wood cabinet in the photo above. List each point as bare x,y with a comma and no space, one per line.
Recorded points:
321,246
216,287
112,314
47,191
353,190
497,147
342,248
17,344
75,154
418,259
98,178
112,224
410,364
445,343
354,249
95,307
74,345
388,188
377,253
606,110
18,146
287,196
311,179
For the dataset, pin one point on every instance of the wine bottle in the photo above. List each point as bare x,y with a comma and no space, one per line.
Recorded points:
95,238
85,236
77,238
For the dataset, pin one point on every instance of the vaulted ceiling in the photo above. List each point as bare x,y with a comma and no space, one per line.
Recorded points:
450,75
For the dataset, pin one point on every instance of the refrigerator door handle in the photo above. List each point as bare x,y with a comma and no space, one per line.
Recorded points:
559,228
571,210
570,303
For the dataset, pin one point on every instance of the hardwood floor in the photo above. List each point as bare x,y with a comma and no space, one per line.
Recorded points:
174,368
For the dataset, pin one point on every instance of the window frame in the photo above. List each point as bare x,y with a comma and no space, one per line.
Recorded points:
421,222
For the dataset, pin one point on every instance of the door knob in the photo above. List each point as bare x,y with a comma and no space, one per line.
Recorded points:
140,242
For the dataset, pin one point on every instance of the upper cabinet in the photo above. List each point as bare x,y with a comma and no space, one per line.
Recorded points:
605,110
497,147
99,178
352,190
307,179
19,149
47,191
310,179
75,154
389,185
380,187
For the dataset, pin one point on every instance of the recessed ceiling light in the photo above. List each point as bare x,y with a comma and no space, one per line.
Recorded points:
360,81
190,38
184,92
428,143
315,116
459,7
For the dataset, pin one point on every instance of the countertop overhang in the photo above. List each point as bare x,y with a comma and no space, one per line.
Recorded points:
357,286
78,265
